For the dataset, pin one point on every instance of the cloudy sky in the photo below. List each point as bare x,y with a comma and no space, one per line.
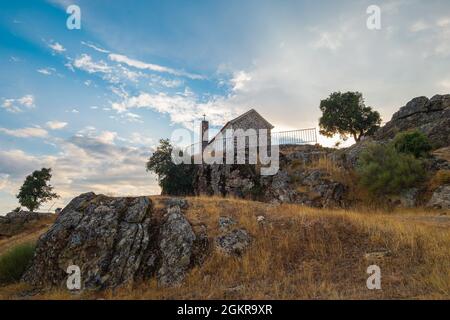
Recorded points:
92,103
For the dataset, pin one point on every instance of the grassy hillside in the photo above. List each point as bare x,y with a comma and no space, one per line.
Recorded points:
305,253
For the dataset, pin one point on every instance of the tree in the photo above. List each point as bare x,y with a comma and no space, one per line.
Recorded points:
174,179
346,114
36,189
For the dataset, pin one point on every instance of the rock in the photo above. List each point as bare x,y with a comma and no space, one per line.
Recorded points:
431,116
225,223
176,242
234,242
177,202
440,198
348,157
114,241
408,198
416,105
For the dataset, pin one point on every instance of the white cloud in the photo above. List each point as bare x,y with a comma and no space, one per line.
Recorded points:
96,48
132,117
57,47
85,62
111,73
328,40
19,104
3,180
27,101
239,80
139,139
56,125
150,66
443,22
30,132
183,108
107,137
420,25
171,83
46,71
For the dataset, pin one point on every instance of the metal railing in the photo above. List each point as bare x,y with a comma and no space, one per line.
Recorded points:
291,137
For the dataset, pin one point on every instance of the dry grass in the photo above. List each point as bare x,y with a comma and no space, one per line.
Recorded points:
440,178
305,253
31,232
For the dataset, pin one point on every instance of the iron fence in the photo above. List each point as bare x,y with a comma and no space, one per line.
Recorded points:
291,137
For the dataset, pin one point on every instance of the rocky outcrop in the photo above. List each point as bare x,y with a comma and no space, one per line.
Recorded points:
431,116
114,241
440,198
297,180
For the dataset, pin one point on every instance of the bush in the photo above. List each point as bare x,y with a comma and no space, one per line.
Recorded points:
14,262
383,171
412,142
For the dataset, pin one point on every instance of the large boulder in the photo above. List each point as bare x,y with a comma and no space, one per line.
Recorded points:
114,241
176,246
440,198
431,116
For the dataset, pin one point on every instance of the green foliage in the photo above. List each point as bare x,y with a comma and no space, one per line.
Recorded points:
383,171
14,262
412,142
36,189
346,114
174,179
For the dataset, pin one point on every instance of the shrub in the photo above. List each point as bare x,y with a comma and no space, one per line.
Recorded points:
412,142
383,171
14,262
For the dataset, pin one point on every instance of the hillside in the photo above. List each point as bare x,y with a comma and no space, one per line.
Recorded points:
294,252
320,177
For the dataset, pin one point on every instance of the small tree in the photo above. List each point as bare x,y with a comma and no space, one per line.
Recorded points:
36,189
383,171
174,179
346,114
413,142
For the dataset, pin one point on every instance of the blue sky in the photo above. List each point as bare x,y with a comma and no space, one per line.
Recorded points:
92,103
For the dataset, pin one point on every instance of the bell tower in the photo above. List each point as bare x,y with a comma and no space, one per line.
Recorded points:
204,133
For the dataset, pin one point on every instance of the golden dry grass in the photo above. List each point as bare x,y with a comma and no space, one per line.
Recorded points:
305,253
31,232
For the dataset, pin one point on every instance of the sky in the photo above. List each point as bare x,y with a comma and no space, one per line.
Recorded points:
92,103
